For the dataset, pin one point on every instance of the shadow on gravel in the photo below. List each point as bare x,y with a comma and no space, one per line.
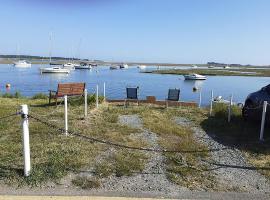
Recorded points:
238,133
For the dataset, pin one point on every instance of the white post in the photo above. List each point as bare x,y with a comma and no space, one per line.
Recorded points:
230,109
26,145
211,102
97,97
104,91
85,102
66,116
200,98
263,120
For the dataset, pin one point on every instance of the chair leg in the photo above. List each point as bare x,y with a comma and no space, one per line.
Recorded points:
55,101
167,104
137,102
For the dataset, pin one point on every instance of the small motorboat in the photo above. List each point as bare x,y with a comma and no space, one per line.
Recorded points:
83,66
194,66
194,77
54,70
69,66
22,63
227,67
141,66
124,66
113,67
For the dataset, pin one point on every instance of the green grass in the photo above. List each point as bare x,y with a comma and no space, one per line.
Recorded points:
16,95
215,72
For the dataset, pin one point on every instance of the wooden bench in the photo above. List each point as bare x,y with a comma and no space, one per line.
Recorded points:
69,89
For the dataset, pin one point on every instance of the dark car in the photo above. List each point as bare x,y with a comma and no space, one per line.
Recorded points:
254,103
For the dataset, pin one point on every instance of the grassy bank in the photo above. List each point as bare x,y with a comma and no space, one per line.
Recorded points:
216,72
54,155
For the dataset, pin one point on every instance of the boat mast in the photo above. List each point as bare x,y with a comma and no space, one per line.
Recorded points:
50,53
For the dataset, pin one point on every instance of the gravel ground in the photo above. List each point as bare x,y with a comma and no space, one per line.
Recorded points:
229,165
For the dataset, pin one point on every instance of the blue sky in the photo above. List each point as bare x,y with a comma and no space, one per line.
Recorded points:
176,31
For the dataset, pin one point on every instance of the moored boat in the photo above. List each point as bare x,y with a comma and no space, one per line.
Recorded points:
22,63
83,66
69,66
113,67
54,70
124,66
141,66
194,77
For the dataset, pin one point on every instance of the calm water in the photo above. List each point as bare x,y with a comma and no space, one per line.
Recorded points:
29,82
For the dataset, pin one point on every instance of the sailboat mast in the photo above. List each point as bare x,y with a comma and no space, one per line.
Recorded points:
50,53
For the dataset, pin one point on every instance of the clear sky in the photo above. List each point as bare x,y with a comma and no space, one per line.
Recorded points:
176,31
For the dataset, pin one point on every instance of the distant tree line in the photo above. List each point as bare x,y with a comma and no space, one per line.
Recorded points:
37,57
224,64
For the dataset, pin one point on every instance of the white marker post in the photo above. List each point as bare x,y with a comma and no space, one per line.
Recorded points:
66,116
26,145
85,102
230,109
97,97
211,103
263,120
104,91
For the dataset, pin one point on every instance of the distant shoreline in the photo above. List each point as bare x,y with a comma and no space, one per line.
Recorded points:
217,72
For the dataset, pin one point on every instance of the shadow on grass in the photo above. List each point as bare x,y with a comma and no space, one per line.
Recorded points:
238,133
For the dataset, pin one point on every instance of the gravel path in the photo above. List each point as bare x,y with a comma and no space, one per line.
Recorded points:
230,166
153,178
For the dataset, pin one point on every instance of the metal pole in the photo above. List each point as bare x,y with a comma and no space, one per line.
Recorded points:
66,116
97,97
211,102
263,120
200,98
230,109
26,145
104,91
85,102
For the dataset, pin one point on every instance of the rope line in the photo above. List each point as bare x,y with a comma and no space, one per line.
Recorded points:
92,139
8,116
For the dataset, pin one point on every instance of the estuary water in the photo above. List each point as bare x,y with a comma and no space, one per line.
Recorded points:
29,81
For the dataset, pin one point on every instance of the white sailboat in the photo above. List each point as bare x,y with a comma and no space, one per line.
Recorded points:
55,69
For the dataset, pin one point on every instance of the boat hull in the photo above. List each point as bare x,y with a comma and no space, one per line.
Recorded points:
191,78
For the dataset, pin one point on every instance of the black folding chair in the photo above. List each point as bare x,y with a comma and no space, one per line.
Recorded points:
173,95
132,94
